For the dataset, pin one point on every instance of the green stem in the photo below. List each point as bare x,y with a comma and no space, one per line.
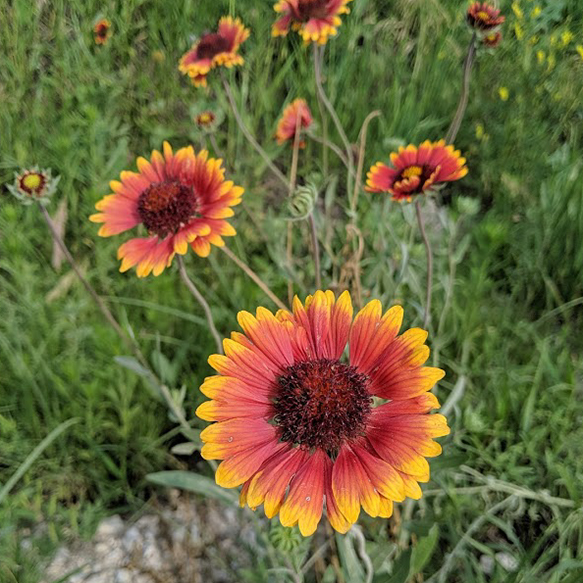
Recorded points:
203,303
429,284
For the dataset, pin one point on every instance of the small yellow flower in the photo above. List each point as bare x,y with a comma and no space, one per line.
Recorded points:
553,40
580,50
518,31
533,40
540,55
516,9
552,61
479,131
536,11
504,93
567,37
158,56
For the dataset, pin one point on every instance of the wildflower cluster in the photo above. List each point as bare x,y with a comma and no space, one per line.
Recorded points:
317,407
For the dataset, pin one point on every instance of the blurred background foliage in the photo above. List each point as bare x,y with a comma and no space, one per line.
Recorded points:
509,261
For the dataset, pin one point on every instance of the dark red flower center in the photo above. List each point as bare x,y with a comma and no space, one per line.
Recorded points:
101,30
423,172
321,404
165,206
307,9
211,45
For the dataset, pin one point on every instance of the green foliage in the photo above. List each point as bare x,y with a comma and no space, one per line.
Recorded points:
509,263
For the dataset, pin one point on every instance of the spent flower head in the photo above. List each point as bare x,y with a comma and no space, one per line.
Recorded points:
297,424
34,185
301,204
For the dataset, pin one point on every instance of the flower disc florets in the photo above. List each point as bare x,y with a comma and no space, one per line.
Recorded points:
164,207
321,403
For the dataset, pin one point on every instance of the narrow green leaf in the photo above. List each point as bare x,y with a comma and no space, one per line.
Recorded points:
33,455
193,483
423,550
187,448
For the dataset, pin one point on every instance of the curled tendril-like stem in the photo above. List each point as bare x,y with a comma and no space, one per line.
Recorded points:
463,102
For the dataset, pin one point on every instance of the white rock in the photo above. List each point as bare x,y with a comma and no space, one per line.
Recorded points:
507,561
132,539
109,528
487,564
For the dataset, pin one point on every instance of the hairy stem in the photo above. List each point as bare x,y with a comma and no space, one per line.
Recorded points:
293,175
429,284
203,303
250,138
96,298
327,144
289,252
218,151
328,105
463,102
315,249
254,277
360,165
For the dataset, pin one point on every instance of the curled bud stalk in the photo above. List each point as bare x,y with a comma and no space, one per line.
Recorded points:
34,185
301,204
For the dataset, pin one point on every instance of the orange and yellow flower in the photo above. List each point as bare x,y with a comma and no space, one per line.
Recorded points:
215,49
299,426
102,31
483,17
180,198
417,170
295,113
492,40
314,20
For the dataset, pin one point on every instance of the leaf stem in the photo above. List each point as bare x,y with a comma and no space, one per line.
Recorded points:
203,303
240,263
